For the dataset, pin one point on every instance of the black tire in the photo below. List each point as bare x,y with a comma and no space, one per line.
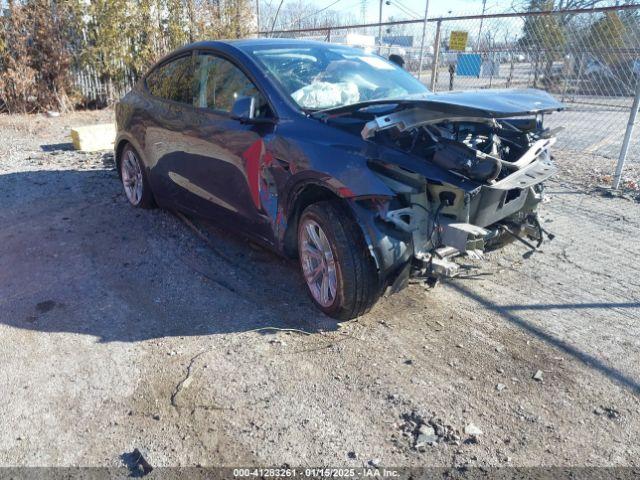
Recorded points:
146,199
357,285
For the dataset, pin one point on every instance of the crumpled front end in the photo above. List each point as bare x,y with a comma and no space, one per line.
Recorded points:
495,169
445,221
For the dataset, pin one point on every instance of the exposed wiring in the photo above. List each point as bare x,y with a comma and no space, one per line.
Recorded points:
436,218
436,222
413,204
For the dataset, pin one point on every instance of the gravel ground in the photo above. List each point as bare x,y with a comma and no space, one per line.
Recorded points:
124,329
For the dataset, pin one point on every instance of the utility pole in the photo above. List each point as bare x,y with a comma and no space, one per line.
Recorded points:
484,8
424,32
436,55
380,28
258,15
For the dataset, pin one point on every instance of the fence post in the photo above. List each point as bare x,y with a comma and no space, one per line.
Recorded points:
424,32
627,137
511,68
436,54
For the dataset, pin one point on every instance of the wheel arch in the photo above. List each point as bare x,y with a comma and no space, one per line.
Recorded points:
389,249
119,148
120,144
122,140
304,195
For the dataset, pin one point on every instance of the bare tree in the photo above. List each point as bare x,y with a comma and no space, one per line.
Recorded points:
303,14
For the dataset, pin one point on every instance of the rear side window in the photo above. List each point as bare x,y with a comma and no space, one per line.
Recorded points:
220,83
174,81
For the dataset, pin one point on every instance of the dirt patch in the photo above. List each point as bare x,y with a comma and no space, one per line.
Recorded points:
594,174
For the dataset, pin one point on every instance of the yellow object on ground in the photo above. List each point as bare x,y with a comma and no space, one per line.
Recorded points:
93,138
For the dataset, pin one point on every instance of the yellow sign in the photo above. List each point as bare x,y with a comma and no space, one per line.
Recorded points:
458,41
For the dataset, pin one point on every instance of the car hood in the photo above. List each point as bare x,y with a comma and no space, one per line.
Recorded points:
496,103
483,106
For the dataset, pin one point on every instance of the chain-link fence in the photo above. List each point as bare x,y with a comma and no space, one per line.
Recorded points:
589,59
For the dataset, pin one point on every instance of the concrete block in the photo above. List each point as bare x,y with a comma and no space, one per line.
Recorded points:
93,138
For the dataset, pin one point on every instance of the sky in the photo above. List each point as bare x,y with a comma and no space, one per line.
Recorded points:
414,9
400,9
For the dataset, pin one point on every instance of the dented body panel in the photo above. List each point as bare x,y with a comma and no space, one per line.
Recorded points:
427,180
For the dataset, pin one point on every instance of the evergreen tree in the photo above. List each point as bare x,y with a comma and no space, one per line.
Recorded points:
108,47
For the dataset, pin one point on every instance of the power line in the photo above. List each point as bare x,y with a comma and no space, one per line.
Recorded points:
403,10
526,14
406,9
318,11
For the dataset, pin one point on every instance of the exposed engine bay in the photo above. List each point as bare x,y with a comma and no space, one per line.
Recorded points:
498,164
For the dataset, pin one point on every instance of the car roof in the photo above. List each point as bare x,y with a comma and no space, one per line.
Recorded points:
248,43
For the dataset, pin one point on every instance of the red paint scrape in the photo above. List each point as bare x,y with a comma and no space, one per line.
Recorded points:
252,158
346,192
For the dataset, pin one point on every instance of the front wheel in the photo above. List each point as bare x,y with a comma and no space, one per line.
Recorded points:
339,271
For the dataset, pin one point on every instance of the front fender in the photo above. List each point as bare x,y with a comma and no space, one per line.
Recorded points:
390,248
337,185
315,152
122,138
341,170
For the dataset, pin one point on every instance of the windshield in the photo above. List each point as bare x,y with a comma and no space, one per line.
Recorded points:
319,77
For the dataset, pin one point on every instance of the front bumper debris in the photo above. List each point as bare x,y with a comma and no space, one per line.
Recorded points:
469,241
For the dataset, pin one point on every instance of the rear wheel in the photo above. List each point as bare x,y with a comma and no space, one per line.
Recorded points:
134,179
340,274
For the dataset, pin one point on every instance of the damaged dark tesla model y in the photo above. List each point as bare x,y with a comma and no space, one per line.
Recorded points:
338,157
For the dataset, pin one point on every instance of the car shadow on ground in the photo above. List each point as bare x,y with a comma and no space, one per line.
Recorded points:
507,313
75,257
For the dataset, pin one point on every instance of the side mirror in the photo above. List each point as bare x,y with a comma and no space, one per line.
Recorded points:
244,109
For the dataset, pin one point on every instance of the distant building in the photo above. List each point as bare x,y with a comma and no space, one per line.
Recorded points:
398,40
355,40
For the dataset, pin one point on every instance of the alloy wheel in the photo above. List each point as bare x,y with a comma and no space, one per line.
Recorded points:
132,177
318,263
